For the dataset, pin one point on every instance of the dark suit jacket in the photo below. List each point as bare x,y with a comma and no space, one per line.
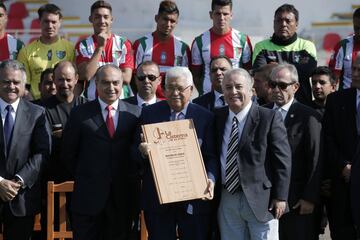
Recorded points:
203,121
207,100
29,150
354,188
100,164
264,158
303,127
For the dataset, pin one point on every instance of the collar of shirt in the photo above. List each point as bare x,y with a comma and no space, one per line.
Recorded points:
241,116
183,111
3,105
114,105
285,107
357,98
218,102
141,101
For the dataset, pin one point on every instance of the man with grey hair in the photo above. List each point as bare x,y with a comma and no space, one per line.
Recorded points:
192,218
96,143
25,147
255,163
303,127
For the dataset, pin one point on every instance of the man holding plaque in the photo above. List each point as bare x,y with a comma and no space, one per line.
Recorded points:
191,218
255,161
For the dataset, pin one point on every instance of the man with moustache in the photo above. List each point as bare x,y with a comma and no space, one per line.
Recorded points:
261,77
286,47
162,46
46,86
215,98
191,219
220,40
303,125
255,162
342,109
103,47
147,80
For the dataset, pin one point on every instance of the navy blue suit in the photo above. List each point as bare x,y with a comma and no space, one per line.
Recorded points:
191,216
207,100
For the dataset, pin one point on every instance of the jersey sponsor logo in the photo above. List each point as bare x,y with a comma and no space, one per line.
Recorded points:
60,54
49,55
221,50
296,58
163,57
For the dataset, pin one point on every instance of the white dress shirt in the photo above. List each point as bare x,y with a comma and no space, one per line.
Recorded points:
218,103
241,117
142,101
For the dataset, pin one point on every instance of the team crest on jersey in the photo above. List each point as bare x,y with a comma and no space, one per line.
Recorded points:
60,54
297,58
238,52
117,54
178,61
163,58
221,50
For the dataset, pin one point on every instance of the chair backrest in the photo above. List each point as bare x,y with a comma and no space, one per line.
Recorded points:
330,40
62,189
18,10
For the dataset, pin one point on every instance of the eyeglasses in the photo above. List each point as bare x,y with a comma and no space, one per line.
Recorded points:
178,89
281,85
321,82
150,77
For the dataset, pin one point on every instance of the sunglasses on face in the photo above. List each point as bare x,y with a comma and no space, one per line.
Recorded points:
280,85
150,77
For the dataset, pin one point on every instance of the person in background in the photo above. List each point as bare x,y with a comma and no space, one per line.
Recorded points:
46,86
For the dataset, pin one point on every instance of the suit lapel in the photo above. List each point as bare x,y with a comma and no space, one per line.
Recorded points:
2,142
250,125
99,120
212,100
291,114
350,113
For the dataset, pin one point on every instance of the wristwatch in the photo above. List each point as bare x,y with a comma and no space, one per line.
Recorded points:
19,181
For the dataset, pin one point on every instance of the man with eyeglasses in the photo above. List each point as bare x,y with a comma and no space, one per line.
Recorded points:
190,218
303,131
215,98
147,80
286,47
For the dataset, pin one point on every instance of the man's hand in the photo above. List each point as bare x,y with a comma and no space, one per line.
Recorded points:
144,149
57,133
8,189
306,207
101,39
209,190
277,207
346,172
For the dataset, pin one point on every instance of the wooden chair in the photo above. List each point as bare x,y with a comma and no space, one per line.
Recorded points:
62,189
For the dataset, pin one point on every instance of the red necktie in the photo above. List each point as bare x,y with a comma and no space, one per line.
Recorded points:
110,122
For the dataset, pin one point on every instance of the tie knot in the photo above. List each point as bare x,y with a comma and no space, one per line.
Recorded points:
222,99
144,104
9,108
109,108
235,120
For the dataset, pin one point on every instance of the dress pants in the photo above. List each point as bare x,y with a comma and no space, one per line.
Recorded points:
237,220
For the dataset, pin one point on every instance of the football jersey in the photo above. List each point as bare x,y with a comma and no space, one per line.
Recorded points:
38,56
117,51
9,47
234,44
167,54
342,59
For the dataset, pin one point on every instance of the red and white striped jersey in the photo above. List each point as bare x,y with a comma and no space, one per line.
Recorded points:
9,47
117,51
169,53
234,44
342,59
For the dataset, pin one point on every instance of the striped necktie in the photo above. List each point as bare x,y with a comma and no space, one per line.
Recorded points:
232,180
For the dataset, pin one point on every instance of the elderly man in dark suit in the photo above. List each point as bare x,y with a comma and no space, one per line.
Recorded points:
255,163
147,80
215,98
24,148
341,124
303,127
96,143
191,217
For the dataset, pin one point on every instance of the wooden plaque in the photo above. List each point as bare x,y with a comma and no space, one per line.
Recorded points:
176,160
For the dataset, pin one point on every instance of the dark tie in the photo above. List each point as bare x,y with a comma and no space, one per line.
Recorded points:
231,170
8,125
144,104
222,100
109,121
